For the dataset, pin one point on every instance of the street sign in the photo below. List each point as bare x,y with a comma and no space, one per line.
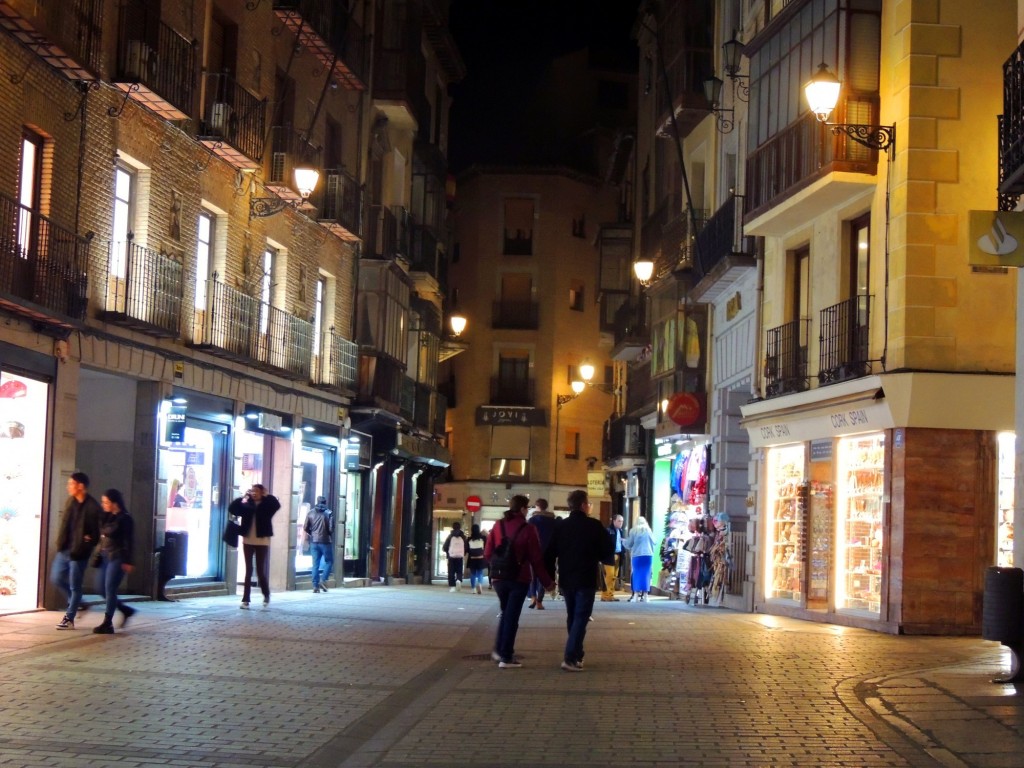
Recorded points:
473,504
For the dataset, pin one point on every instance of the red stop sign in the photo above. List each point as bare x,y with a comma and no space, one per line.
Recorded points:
473,504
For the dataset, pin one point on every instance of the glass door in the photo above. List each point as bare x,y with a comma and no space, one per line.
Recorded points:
860,462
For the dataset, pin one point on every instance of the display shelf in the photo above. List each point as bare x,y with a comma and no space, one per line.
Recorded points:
860,524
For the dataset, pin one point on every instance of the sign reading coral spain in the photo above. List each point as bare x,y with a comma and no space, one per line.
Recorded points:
996,238
687,408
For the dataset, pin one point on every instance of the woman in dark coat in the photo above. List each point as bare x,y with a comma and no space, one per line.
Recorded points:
114,557
256,509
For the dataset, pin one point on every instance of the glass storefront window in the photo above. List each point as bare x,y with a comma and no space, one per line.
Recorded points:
786,517
860,462
189,469
23,405
1004,521
314,462
352,495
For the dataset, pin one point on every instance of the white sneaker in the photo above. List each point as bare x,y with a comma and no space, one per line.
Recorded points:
495,656
458,586
244,606
451,589
479,591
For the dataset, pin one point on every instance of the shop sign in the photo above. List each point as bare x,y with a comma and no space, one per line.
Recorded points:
509,415
869,416
174,424
358,451
687,408
595,485
996,238
821,450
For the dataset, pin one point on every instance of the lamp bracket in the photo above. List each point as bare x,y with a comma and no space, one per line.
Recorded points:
723,124
882,137
563,399
261,207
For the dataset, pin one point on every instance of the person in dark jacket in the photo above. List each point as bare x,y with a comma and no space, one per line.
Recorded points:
544,519
77,534
256,509
613,561
114,557
476,543
579,544
512,592
455,547
319,530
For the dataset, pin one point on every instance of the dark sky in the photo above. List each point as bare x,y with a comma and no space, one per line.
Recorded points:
506,45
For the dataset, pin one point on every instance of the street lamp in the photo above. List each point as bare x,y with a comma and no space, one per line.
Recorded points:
713,94
822,92
643,268
457,321
306,179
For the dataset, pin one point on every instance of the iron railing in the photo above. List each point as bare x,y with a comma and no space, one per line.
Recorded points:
380,382
164,61
422,415
407,398
1011,126
720,236
785,365
737,573
844,341
144,288
515,315
512,391
333,26
641,389
241,327
289,149
234,115
334,363
339,200
424,256
77,27
623,436
440,414
42,262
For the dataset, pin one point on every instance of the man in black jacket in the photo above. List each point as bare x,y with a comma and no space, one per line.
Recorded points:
579,544
77,536
319,530
613,561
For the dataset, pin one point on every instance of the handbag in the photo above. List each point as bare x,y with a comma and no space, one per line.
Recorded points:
231,533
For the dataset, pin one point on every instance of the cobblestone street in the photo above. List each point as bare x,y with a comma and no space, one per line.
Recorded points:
401,676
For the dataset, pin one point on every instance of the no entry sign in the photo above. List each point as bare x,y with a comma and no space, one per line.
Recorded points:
473,504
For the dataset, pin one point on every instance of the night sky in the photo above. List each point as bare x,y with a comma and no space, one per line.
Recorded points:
507,45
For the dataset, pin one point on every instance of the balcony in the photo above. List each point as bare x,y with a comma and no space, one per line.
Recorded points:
43,267
1011,127
339,201
515,315
723,255
239,327
289,150
144,290
843,354
512,392
632,334
330,34
334,363
686,71
388,233
623,441
155,65
800,155
424,255
399,80
234,122
785,365
68,36
380,381
407,399
641,391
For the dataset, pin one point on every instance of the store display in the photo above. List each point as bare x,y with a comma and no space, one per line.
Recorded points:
860,532
820,537
1004,518
787,512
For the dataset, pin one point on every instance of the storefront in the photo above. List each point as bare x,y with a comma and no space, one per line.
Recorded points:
25,391
317,475
870,507
358,451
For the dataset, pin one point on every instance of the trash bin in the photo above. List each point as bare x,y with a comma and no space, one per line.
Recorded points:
175,554
1002,616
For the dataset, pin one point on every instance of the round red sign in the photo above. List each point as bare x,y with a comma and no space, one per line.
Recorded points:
684,409
473,504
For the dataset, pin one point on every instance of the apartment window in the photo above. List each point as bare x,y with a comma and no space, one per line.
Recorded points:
572,443
266,283
318,312
860,265
124,212
518,229
576,296
801,282
29,189
204,250
512,386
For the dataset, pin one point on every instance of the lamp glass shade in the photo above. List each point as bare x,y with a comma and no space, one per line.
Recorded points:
644,270
822,92
731,55
457,322
586,370
713,90
578,386
305,180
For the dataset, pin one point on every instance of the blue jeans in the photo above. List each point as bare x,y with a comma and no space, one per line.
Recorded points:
476,576
579,604
321,555
67,574
511,596
110,579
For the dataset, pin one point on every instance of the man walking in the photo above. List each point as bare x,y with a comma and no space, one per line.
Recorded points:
78,532
455,548
319,529
612,561
579,544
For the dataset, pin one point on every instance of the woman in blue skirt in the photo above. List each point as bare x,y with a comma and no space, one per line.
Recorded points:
641,545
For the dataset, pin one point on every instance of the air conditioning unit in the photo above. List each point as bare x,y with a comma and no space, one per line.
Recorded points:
220,117
631,440
137,59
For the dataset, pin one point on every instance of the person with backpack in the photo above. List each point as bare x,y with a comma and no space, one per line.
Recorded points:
544,519
455,548
477,562
513,546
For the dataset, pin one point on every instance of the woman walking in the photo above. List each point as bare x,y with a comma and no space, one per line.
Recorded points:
640,544
256,509
477,541
114,557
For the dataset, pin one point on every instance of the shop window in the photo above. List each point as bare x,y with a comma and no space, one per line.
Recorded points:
859,530
1004,522
509,469
786,500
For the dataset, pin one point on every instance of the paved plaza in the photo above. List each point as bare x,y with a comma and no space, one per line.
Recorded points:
401,676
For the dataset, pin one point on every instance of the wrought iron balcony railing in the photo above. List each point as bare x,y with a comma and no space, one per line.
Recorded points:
339,202
512,391
155,65
67,35
289,149
234,121
41,263
407,398
641,390
785,365
380,380
243,328
144,289
424,255
331,34
334,362
623,437
844,341
1011,127
515,315
399,76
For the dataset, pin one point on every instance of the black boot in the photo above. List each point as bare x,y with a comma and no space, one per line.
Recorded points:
106,628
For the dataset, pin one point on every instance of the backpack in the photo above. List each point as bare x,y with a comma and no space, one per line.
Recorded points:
456,546
504,563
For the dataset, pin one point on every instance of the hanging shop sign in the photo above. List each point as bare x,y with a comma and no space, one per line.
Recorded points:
358,452
174,424
510,415
595,485
688,409
996,238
